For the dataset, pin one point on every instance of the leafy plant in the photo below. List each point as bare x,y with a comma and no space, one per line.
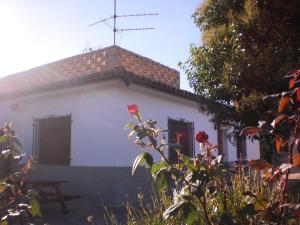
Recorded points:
202,190
17,204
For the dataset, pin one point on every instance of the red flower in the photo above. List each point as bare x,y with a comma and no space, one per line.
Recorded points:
133,109
201,137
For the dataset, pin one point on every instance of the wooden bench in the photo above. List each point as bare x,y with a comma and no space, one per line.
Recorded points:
55,194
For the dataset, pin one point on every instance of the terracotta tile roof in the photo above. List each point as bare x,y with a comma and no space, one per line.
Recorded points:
81,67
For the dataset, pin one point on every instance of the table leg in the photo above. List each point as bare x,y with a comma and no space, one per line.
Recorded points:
60,199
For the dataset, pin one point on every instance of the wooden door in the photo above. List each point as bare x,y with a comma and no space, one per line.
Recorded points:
54,140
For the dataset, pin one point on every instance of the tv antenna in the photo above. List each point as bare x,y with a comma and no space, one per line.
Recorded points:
115,16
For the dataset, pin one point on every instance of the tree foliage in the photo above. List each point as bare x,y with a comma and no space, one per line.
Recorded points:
246,47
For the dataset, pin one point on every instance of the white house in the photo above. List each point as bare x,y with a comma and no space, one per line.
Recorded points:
70,115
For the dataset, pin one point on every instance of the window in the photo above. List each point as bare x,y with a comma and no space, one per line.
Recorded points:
52,140
181,132
222,142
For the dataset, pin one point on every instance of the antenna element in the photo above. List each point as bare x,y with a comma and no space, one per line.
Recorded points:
115,16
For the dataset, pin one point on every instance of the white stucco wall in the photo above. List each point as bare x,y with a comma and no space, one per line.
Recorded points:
253,149
99,114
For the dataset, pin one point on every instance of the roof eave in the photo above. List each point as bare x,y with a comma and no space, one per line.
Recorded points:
114,73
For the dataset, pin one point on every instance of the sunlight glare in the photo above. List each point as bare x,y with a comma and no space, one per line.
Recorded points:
17,47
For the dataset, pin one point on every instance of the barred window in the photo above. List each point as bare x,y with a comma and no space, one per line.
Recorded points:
181,132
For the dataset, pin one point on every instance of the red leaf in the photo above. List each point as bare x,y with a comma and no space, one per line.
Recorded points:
278,120
292,82
298,95
251,131
269,176
293,74
296,160
259,164
284,103
280,143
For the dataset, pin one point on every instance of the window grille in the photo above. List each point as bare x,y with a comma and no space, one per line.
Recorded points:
182,133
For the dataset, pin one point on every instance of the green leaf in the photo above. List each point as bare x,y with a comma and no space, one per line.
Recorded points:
129,126
151,123
148,159
136,162
17,145
261,205
248,210
190,214
173,210
131,133
3,139
261,202
161,179
212,189
197,190
142,158
157,166
6,153
35,208
3,187
174,172
217,160
141,134
187,162
226,219
4,222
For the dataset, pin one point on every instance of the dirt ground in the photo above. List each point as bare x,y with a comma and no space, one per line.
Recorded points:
78,213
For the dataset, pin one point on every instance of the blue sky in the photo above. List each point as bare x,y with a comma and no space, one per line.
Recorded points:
35,32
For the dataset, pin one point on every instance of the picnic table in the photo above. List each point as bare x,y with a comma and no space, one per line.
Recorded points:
50,191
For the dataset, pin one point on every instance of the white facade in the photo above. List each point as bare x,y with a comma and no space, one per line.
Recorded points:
99,114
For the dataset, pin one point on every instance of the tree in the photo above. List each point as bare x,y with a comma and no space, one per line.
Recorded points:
247,47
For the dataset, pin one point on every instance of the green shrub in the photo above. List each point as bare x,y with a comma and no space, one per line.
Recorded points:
18,205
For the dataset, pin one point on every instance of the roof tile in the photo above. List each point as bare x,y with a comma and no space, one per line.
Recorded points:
80,66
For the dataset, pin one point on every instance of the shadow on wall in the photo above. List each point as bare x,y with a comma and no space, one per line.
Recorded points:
96,185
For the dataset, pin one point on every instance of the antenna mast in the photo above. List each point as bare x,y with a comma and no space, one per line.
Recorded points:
115,20
115,16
